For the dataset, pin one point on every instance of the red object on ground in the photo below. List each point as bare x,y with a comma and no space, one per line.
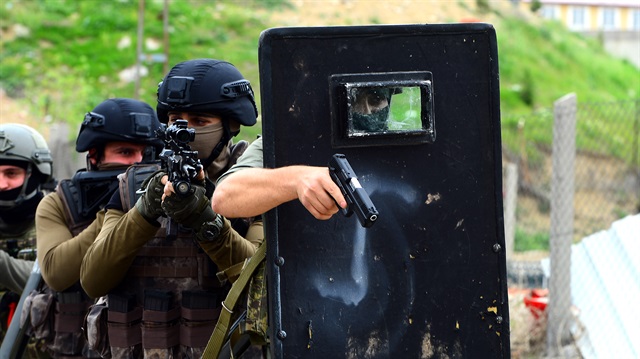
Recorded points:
537,301
12,310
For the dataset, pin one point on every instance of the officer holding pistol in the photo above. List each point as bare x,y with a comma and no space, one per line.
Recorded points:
259,189
116,134
158,253
255,190
25,166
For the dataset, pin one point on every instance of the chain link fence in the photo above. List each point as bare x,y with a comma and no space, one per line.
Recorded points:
594,148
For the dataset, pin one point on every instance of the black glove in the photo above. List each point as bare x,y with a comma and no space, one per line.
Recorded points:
150,203
194,211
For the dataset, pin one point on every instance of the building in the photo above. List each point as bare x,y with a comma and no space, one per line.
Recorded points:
616,22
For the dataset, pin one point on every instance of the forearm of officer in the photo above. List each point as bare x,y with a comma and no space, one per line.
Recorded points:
231,248
14,272
110,256
59,251
254,191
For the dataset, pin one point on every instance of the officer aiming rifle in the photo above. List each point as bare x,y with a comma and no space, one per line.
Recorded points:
181,163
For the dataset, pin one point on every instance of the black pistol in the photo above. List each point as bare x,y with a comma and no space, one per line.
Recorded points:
358,200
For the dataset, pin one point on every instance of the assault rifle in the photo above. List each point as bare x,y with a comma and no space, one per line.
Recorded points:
180,162
357,198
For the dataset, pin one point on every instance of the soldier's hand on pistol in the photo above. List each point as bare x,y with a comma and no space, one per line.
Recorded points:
317,191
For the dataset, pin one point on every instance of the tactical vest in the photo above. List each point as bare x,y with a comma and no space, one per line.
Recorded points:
15,245
57,318
169,301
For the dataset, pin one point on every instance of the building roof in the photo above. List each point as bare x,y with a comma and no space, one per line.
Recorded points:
609,3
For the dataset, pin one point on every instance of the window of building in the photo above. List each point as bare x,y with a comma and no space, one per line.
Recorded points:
634,22
578,18
608,18
549,12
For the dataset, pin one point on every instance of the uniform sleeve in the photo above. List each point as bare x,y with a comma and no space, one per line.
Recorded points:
251,158
109,258
14,272
60,253
231,248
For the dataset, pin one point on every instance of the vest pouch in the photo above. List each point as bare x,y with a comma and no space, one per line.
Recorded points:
123,326
25,313
256,322
160,325
95,323
41,312
200,312
71,307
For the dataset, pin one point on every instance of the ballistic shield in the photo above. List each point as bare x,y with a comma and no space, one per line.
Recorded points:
428,280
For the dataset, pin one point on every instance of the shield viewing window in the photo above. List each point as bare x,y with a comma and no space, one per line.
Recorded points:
373,109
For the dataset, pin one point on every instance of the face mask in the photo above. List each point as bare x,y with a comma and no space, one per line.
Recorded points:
206,140
374,122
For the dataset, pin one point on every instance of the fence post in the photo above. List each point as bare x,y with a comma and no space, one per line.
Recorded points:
510,200
561,232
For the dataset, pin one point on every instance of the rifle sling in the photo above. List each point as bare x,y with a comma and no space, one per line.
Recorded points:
222,327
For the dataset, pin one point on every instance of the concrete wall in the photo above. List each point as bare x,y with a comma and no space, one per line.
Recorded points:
622,44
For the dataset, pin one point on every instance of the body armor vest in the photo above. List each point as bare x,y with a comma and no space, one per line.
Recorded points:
169,302
85,194
57,317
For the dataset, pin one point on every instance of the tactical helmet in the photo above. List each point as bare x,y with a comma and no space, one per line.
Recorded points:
22,146
209,86
119,119
22,143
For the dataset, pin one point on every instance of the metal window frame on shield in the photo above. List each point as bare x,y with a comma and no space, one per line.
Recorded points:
341,103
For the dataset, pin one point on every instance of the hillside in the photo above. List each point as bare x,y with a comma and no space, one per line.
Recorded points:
59,57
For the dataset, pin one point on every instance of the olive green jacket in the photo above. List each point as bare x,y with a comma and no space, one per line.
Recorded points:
109,258
60,253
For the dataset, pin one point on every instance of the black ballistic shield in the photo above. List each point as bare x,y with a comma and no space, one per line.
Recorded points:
415,109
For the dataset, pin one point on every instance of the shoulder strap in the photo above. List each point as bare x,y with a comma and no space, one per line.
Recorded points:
221,330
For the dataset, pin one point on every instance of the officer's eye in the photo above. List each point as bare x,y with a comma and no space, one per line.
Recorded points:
375,100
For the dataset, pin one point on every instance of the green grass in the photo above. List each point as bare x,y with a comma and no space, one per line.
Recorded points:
70,59
525,241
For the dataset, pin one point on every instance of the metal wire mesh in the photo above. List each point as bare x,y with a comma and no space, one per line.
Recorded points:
606,188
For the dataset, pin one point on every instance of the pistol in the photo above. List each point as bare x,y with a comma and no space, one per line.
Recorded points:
357,198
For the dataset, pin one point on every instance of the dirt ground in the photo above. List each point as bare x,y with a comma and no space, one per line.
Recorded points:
360,12
12,112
